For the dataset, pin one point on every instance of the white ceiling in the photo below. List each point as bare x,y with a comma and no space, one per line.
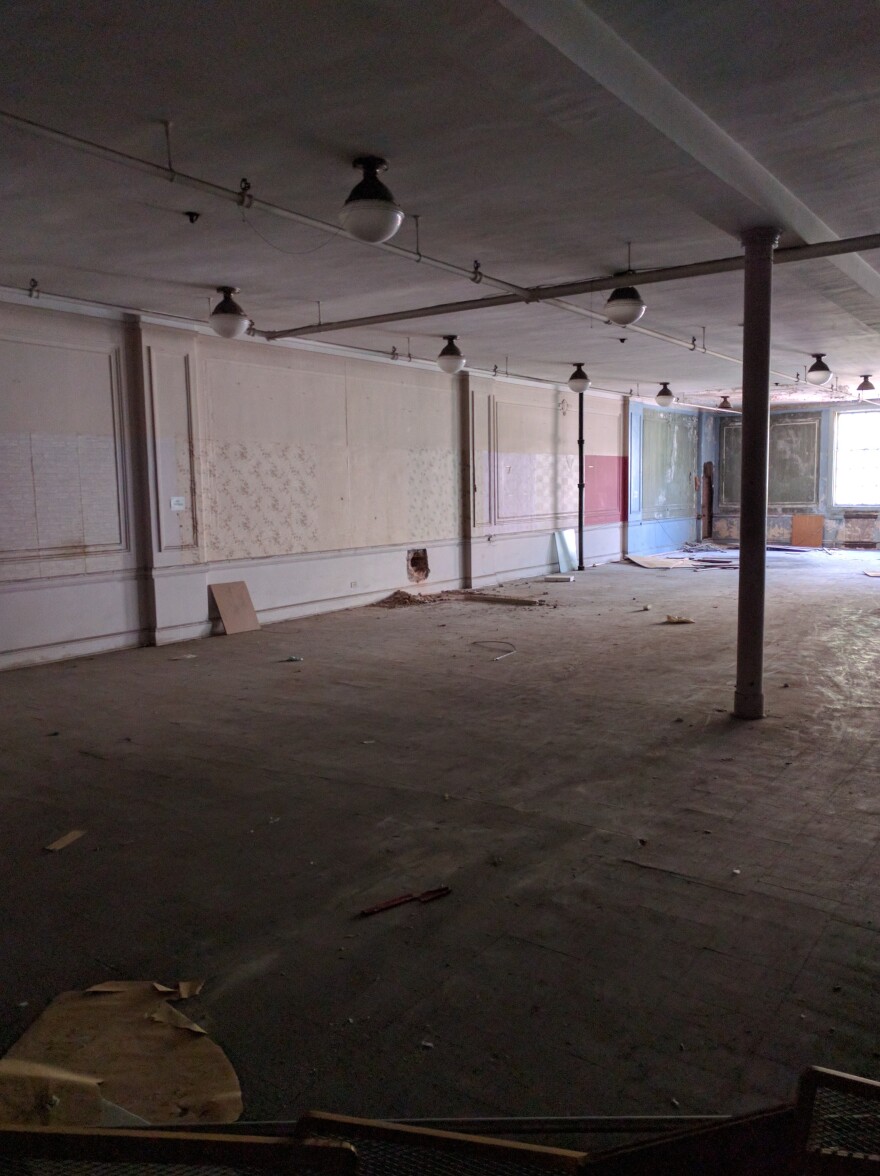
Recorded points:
513,138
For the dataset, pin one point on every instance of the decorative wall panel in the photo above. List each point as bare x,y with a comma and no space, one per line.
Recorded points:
61,452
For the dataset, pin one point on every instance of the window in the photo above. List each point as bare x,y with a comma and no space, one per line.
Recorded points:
857,459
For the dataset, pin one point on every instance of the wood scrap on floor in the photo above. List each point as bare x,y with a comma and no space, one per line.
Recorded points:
481,598
63,842
149,1058
658,561
234,604
674,620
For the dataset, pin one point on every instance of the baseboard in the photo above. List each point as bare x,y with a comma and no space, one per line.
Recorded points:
67,650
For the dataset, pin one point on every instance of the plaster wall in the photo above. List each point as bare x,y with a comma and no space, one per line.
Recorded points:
801,481
141,463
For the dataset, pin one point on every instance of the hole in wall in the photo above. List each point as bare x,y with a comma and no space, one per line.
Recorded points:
417,564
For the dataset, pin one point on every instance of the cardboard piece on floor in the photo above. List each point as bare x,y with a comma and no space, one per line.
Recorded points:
35,1095
659,561
235,606
67,839
807,530
164,1069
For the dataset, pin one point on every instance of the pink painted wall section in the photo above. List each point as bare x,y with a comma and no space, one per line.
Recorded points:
605,481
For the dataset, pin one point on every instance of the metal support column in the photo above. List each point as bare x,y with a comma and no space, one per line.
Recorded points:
580,481
749,697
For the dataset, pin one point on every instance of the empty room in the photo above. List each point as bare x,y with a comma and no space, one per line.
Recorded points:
440,578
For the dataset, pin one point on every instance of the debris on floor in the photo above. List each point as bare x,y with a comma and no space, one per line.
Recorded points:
874,575
673,620
36,1095
493,645
184,657
292,659
556,578
401,599
147,1056
486,598
63,842
659,561
404,899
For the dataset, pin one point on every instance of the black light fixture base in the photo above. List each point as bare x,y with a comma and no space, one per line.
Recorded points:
370,163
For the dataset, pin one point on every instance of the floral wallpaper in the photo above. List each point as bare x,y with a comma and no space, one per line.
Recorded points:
536,485
261,498
433,477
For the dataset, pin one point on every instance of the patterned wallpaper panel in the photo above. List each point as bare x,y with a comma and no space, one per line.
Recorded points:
536,485
433,477
260,499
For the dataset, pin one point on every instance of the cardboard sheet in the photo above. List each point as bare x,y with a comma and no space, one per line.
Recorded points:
235,606
35,1095
150,1058
807,530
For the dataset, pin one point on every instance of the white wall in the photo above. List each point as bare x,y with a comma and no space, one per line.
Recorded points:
69,575
142,463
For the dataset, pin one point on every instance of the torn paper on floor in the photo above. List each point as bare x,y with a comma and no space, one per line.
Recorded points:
146,1054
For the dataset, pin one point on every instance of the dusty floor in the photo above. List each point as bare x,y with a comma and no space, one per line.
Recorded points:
651,901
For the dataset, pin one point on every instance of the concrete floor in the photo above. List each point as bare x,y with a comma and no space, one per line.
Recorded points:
654,906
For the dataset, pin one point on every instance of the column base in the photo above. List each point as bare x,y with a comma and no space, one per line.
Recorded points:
748,706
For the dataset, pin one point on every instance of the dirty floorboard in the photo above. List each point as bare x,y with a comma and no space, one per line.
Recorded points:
654,907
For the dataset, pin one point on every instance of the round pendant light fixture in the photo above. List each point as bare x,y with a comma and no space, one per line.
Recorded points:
625,306
725,402
664,397
866,385
579,381
450,359
818,373
371,213
227,317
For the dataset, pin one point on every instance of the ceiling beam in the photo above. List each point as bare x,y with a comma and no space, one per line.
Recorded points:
576,32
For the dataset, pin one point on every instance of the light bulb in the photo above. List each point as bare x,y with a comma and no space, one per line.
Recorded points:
664,397
450,359
579,381
625,306
371,213
227,317
819,372
866,385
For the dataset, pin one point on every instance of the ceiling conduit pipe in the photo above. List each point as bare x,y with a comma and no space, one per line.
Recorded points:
236,196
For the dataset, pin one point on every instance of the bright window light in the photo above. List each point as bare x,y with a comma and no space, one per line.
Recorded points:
857,459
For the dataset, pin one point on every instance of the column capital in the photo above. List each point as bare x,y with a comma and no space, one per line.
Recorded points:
760,235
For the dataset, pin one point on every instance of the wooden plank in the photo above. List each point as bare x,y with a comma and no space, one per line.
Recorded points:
807,530
67,839
478,598
235,606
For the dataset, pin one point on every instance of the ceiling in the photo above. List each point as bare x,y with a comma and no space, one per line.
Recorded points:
535,136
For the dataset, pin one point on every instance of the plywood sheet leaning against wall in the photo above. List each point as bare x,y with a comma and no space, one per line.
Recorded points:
807,530
234,604
147,1056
